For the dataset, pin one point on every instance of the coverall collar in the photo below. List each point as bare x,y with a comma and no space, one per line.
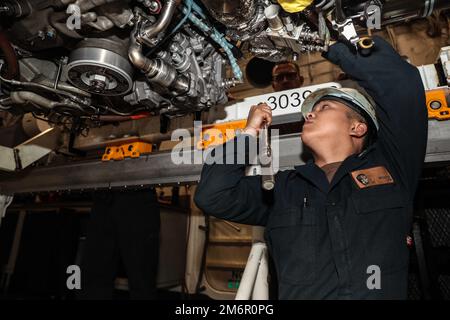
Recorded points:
311,172
317,177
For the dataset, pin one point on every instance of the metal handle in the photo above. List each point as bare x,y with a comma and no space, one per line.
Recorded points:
267,180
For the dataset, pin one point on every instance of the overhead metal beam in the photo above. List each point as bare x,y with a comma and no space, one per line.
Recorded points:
158,168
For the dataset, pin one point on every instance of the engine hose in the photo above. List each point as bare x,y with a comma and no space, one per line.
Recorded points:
328,5
62,86
189,5
71,96
198,9
12,64
186,16
22,97
5,104
117,118
220,40
120,113
149,33
321,3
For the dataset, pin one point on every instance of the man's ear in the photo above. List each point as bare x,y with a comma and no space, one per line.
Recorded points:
358,129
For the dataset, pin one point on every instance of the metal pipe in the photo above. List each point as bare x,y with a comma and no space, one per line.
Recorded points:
339,12
137,58
6,103
22,97
273,18
328,5
3,108
58,75
320,4
43,87
148,33
135,54
156,70
63,86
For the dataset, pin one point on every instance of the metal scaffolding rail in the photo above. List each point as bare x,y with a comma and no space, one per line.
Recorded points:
158,168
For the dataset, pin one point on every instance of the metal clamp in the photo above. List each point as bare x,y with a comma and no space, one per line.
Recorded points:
347,30
344,25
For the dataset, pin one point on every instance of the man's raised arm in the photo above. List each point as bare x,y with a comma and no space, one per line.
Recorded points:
397,89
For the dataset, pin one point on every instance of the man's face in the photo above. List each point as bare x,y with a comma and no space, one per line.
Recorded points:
285,76
327,121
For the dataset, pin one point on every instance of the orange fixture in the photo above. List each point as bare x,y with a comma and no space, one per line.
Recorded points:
438,104
219,133
129,150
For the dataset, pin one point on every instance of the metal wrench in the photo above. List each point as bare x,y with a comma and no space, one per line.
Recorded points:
267,180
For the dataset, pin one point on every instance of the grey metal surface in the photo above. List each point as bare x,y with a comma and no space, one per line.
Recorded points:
30,151
152,169
7,160
438,147
232,13
158,168
38,147
101,62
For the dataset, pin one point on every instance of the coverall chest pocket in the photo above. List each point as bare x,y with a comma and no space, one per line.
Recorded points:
291,234
378,200
383,218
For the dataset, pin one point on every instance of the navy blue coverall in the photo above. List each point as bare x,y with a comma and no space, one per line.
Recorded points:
328,238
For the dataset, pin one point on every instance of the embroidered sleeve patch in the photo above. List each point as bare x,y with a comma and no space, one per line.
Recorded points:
372,177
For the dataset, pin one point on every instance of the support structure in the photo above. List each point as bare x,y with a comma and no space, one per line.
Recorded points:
159,169
30,151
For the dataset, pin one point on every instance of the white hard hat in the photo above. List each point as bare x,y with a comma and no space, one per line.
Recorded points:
351,97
